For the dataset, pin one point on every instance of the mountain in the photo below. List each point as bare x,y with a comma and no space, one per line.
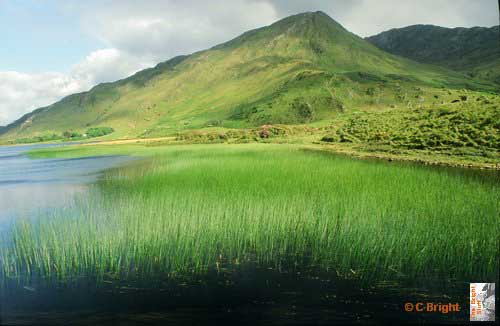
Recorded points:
474,51
304,68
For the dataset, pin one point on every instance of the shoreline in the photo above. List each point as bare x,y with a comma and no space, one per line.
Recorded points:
89,143
426,159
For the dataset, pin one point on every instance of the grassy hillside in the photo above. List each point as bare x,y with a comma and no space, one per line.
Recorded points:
474,51
303,69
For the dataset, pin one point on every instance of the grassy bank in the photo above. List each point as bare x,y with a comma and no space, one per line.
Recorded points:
187,210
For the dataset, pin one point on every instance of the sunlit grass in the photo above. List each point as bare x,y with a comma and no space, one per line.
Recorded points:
192,209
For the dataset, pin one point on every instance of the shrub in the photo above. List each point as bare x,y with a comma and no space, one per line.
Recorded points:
442,128
99,131
264,133
71,134
329,138
303,109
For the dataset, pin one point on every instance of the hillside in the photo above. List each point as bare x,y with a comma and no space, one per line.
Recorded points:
474,51
302,69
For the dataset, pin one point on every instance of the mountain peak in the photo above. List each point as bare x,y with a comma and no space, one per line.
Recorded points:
307,25
315,20
310,14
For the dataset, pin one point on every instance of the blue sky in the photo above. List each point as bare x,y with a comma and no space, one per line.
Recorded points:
53,48
39,36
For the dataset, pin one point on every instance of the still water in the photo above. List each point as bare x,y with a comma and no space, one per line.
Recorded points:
30,187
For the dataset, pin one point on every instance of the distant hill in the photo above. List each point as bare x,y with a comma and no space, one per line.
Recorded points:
474,51
301,69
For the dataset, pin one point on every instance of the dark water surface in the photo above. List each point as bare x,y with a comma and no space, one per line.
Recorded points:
250,296
247,296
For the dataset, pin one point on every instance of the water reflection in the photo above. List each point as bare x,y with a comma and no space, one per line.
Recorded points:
248,295
32,186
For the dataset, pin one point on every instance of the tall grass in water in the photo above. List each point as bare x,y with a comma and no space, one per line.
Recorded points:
194,209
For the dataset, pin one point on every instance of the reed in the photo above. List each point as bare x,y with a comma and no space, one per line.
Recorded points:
191,209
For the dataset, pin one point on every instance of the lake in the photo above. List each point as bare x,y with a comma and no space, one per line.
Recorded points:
30,187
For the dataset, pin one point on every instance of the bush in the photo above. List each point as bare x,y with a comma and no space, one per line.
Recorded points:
304,110
68,134
264,133
329,138
38,139
71,134
99,131
442,128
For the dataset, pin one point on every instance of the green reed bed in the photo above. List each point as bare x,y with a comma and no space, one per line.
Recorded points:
193,209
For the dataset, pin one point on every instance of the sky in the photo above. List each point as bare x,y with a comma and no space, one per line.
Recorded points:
52,48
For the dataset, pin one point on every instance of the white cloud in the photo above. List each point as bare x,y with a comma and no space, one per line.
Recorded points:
159,30
21,93
106,65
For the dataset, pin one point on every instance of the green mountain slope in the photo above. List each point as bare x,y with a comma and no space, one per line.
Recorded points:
475,51
301,69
